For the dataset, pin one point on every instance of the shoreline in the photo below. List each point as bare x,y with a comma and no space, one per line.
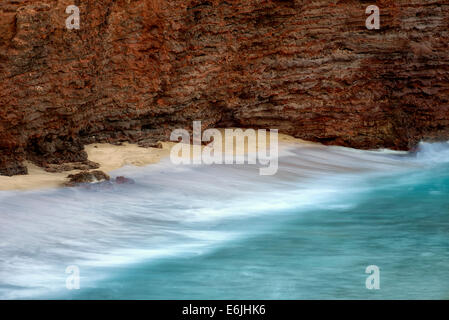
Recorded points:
110,157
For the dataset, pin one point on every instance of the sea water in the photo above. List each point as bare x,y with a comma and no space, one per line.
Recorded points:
224,232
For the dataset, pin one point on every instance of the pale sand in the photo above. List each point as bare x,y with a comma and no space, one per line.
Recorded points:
110,157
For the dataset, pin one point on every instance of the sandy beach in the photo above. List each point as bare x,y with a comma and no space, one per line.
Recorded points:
110,157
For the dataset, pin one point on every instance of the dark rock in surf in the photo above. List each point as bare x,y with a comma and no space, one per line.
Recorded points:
124,180
86,177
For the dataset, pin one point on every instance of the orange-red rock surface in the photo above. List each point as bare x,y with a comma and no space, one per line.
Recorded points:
139,68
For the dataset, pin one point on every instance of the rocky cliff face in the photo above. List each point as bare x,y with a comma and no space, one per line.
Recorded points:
136,69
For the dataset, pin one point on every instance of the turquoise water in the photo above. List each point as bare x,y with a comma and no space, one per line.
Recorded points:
225,232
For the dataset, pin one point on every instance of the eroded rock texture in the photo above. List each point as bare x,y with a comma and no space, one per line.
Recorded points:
139,68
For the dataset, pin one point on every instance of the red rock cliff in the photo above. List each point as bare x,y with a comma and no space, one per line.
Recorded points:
136,69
